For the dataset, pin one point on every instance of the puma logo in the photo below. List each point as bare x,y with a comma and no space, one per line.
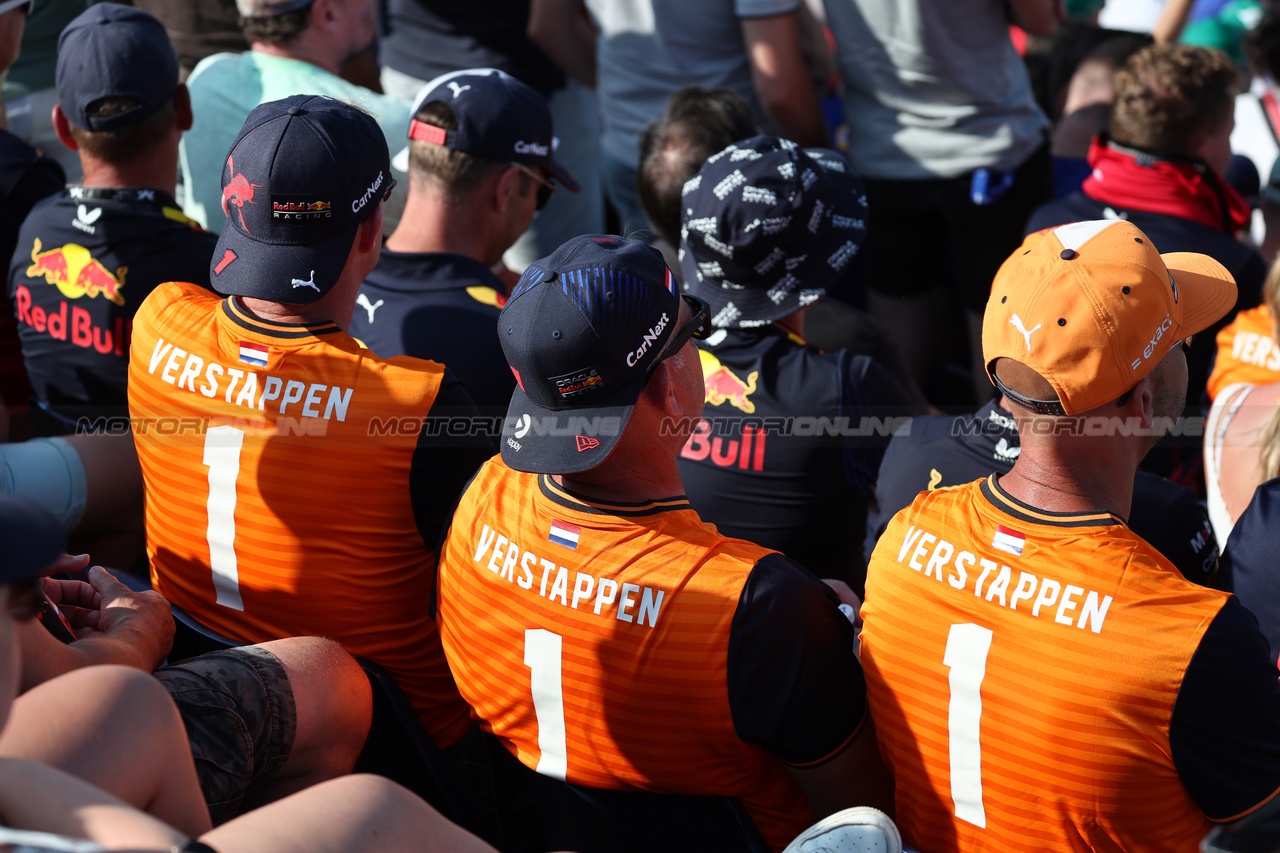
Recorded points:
363,302
456,89
297,282
1016,322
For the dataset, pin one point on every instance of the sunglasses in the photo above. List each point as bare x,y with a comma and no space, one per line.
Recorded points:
387,193
545,187
699,327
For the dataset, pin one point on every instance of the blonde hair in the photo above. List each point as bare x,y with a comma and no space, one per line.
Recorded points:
1269,449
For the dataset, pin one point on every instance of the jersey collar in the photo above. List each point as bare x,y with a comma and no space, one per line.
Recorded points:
570,500
1009,505
235,312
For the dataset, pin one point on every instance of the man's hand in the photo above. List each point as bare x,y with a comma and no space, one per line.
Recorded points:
845,593
105,608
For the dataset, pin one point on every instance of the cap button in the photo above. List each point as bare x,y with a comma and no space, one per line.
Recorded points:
295,111
1068,254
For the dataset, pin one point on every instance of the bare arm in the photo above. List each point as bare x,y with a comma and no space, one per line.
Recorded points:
561,29
782,81
1173,17
1037,17
114,625
855,777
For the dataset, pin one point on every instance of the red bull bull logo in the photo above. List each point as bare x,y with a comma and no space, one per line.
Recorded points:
75,272
721,385
238,191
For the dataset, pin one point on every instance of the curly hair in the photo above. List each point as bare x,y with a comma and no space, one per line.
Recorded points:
1172,96
697,123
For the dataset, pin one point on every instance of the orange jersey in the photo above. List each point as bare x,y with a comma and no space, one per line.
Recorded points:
594,641
1247,352
1023,669
277,498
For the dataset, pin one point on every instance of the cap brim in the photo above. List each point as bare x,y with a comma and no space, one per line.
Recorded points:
561,175
278,272
567,441
1206,291
31,537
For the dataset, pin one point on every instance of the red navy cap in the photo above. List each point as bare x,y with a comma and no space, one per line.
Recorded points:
301,177
582,330
499,119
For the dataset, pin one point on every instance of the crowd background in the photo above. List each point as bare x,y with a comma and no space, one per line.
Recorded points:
833,186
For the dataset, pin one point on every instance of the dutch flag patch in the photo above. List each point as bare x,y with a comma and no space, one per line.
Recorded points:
255,354
1008,539
564,534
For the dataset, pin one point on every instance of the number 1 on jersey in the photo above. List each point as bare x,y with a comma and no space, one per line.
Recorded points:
222,457
542,656
966,655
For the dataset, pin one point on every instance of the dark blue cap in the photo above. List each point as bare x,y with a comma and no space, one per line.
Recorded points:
581,331
30,538
767,227
114,51
499,118
302,175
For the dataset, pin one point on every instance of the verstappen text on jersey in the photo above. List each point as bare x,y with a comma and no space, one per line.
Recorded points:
626,602
241,387
1068,604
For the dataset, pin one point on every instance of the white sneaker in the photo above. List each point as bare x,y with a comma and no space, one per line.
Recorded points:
857,830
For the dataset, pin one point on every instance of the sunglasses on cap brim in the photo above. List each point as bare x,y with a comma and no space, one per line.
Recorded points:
545,187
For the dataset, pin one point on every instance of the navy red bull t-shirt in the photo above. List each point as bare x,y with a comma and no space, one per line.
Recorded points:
936,451
789,444
85,260
1249,561
442,306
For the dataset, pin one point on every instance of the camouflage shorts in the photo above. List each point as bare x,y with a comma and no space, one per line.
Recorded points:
240,717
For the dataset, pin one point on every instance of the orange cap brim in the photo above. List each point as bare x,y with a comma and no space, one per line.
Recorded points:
1206,290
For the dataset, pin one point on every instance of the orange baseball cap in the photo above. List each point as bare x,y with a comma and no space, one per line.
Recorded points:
1092,307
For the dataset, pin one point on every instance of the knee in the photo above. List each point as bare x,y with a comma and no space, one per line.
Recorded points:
331,693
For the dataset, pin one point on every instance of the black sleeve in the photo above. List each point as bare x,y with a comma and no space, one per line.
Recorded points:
795,686
1172,519
1248,565
454,442
1225,731
874,404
